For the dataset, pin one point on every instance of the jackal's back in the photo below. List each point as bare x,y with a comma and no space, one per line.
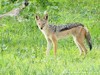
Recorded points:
60,28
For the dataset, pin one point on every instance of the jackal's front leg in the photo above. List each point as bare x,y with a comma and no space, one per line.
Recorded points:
48,46
54,41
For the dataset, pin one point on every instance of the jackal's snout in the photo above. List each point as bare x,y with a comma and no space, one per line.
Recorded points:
41,28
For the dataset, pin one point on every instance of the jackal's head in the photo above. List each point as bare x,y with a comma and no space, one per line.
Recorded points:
42,22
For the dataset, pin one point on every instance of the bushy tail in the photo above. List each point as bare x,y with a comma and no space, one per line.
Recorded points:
88,39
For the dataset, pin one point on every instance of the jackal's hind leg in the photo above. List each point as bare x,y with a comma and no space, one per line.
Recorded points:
78,45
80,41
81,38
84,48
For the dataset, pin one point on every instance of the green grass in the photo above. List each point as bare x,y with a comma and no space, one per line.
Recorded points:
67,62
22,45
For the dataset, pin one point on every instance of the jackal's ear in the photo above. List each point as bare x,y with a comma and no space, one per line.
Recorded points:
46,17
37,17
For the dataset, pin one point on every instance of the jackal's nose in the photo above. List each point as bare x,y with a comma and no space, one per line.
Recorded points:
41,28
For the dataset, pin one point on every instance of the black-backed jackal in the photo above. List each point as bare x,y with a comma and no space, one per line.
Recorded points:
53,33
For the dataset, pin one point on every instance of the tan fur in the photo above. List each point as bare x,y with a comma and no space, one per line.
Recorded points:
52,37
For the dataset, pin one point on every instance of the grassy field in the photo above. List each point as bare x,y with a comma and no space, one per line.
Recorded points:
22,45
